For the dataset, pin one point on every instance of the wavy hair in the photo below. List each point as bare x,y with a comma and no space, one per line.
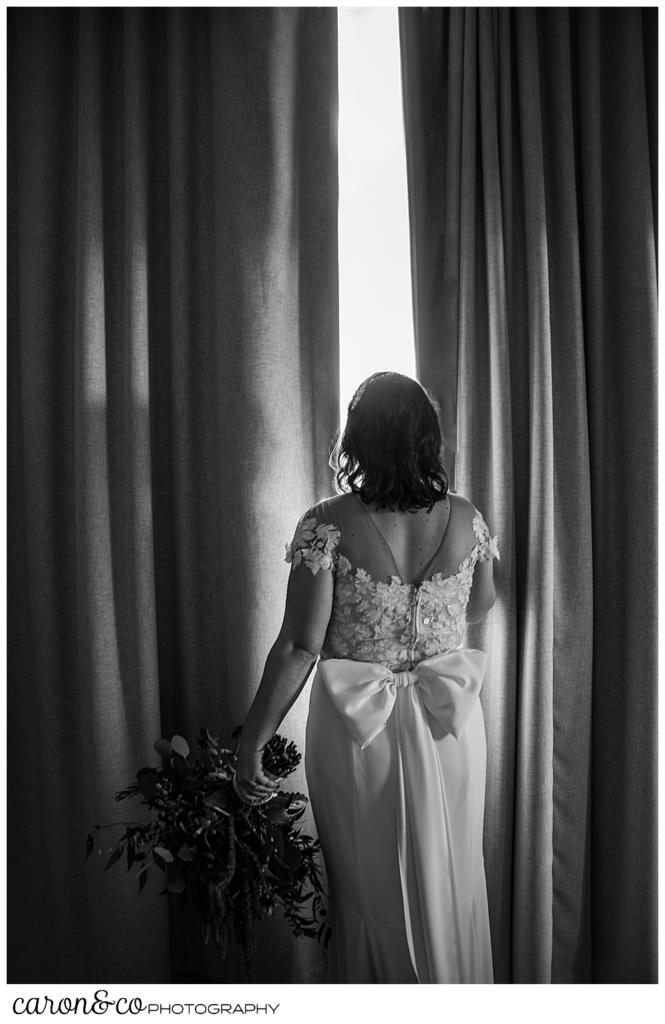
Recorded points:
390,451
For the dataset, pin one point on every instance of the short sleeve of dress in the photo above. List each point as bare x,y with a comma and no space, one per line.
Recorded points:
487,547
315,543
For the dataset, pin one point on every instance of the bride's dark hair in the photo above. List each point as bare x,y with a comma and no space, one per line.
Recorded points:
390,451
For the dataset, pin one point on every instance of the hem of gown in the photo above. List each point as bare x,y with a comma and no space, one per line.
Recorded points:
361,951
364,952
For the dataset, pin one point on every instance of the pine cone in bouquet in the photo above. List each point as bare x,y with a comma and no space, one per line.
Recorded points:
280,758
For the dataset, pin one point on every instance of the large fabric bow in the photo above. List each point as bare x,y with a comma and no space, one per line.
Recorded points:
364,693
437,698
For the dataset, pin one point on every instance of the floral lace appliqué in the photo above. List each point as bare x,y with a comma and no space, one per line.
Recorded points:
399,624
392,623
314,543
487,546
395,623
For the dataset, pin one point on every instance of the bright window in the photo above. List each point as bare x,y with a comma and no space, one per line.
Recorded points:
376,325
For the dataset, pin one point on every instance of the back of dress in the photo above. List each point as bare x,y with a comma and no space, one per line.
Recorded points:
379,615
395,750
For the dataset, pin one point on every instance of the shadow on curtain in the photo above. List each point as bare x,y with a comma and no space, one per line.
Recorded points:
173,386
531,140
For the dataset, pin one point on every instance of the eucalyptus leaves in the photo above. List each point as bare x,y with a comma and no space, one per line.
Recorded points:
234,862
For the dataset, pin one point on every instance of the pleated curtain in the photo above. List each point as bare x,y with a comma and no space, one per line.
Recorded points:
173,388
531,152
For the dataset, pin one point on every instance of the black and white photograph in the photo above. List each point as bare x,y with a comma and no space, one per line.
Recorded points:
331,495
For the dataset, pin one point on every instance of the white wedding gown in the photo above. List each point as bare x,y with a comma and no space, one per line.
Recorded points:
395,753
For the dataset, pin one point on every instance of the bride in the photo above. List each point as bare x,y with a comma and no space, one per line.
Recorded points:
384,578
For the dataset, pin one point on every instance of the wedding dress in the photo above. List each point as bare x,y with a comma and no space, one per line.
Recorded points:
395,751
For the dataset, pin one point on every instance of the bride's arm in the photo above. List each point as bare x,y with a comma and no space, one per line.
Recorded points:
483,594
297,647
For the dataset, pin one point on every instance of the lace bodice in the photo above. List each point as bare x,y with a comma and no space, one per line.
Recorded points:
394,623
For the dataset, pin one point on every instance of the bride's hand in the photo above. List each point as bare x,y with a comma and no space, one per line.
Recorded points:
253,784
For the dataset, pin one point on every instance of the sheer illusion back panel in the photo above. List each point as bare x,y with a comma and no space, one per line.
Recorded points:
369,540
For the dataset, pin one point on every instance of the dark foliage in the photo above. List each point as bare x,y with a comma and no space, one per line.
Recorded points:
235,863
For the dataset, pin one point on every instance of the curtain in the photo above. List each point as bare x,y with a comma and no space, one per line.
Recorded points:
531,154
173,387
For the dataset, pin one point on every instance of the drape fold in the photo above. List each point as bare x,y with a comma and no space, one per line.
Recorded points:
531,153
172,184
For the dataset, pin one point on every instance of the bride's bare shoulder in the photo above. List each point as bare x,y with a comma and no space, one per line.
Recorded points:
336,503
463,509
461,501
335,509
342,501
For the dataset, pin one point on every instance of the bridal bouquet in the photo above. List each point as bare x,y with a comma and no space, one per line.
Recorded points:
234,862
